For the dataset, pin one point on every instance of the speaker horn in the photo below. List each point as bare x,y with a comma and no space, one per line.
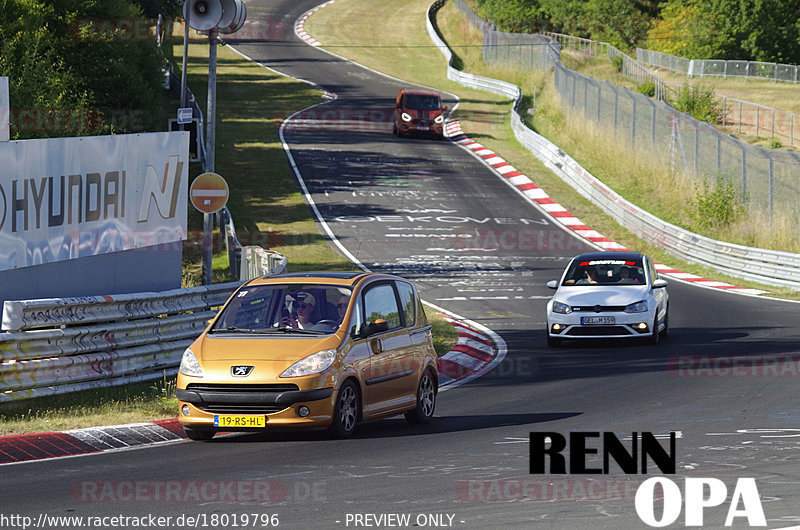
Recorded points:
234,15
203,15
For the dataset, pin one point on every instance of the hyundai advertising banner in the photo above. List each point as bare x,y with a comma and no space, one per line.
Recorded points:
67,198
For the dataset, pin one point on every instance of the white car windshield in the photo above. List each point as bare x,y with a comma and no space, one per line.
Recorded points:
605,272
268,309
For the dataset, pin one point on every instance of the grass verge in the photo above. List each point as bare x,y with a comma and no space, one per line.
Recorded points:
398,39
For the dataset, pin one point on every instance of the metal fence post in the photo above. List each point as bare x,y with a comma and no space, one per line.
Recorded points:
740,115
655,110
724,109
696,147
599,100
616,106
744,174
758,116
765,152
633,122
773,124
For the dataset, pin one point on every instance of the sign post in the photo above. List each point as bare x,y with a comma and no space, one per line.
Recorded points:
209,193
5,110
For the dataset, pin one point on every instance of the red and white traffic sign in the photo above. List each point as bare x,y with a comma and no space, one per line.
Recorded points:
209,192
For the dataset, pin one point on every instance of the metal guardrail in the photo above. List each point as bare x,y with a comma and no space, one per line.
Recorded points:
257,262
60,345
766,266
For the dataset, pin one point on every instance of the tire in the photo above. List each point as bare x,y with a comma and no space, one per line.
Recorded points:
656,336
200,435
346,412
394,129
426,400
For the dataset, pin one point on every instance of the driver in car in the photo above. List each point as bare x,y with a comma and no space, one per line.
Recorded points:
303,306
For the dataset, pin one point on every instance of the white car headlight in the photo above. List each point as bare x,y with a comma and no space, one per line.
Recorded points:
439,118
562,308
637,307
190,365
405,117
313,364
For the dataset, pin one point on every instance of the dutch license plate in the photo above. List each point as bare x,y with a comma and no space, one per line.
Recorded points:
235,420
597,321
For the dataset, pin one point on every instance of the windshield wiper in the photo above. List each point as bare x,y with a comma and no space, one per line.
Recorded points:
235,329
289,329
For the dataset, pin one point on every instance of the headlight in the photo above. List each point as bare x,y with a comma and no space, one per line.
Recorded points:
189,364
560,307
439,118
313,364
405,117
636,307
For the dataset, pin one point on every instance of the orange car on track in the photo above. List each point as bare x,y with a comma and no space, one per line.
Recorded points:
310,350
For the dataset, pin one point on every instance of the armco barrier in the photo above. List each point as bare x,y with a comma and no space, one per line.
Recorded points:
761,265
256,261
99,341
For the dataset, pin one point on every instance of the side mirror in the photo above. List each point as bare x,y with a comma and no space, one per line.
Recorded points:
376,326
553,284
659,284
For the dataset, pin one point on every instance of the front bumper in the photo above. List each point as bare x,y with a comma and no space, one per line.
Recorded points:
625,325
421,127
281,407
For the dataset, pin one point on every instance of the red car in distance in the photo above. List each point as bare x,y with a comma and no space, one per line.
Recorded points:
418,112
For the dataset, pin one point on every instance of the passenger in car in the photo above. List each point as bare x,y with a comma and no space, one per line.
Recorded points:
341,307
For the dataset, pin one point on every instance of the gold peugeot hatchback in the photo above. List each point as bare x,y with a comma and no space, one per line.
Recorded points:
310,350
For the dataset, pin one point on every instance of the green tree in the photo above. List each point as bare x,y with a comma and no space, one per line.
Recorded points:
617,22
77,55
688,28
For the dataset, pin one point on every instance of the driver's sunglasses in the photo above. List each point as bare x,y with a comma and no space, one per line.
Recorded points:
303,306
341,306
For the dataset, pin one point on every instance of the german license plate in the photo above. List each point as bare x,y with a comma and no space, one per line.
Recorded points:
423,128
235,420
597,321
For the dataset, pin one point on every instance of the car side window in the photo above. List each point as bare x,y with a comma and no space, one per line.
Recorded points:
380,303
407,302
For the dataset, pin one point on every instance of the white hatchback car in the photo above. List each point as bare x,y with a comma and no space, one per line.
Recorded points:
608,295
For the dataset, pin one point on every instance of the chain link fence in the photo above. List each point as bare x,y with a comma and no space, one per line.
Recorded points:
767,179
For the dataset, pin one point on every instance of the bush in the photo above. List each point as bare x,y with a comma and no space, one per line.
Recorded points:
718,205
56,66
700,103
616,62
774,143
648,88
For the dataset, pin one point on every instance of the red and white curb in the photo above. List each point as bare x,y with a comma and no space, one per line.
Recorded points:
27,447
302,33
474,353
537,195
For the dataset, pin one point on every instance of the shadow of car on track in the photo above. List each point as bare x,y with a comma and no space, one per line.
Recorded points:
397,427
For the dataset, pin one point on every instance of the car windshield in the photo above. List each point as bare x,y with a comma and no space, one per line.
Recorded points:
421,102
285,309
605,272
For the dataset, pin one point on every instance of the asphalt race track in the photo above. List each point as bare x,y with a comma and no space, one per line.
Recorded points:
725,379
